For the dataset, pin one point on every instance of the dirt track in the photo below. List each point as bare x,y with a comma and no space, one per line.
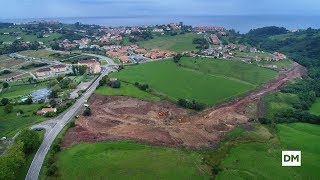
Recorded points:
117,117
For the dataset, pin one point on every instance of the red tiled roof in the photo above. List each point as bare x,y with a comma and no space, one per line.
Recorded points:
44,69
90,61
58,66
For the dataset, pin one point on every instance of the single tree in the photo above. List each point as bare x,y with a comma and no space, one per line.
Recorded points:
177,58
30,139
82,70
4,101
8,108
87,112
29,100
115,84
5,85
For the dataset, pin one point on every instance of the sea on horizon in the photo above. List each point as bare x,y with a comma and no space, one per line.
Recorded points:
238,22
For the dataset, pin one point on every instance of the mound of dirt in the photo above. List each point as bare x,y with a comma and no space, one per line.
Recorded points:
163,123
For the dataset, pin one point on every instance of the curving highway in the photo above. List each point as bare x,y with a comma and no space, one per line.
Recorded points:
54,126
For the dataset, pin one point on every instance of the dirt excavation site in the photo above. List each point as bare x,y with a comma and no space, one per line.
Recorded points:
163,123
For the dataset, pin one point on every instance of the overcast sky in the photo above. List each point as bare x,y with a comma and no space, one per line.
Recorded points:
87,8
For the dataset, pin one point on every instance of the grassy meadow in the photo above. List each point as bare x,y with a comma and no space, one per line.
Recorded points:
126,89
262,160
123,160
27,37
177,82
21,89
11,123
281,65
178,43
204,80
249,154
278,101
315,108
44,54
230,69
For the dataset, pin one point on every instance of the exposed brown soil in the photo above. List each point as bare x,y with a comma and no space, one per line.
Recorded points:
163,123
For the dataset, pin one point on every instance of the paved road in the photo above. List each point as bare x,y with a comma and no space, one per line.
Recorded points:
54,126
208,40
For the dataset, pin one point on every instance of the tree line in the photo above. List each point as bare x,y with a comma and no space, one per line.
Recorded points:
27,142
304,48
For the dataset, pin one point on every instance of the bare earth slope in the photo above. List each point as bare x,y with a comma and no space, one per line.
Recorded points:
118,117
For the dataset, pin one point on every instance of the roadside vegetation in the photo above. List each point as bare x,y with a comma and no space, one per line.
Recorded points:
19,110
14,164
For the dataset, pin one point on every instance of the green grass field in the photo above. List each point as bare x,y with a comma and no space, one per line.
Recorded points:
315,108
304,137
30,38
38,54
283,64
126,89
278,101
230,69
11,62
128,160
11,123
263,160
178,43
21,89
177,82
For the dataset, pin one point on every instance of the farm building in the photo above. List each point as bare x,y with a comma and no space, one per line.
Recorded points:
43,72
47,71
46,110
59,68
92,64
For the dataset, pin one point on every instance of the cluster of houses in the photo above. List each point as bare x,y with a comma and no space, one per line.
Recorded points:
109,35
209,28
276,57
93,66
126,53
225,51
110,38
120,52
157,53
169,27
230,50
